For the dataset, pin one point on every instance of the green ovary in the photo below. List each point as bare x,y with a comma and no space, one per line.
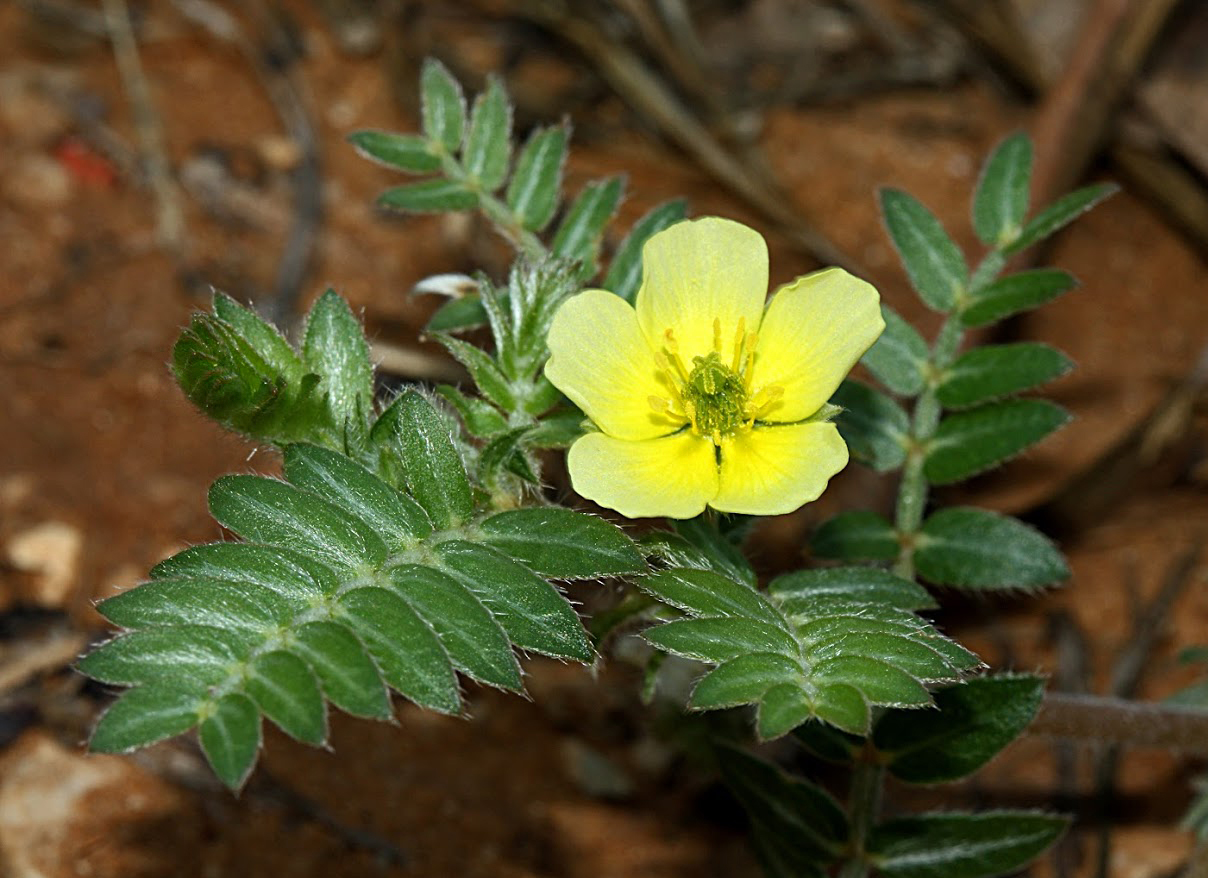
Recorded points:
715,396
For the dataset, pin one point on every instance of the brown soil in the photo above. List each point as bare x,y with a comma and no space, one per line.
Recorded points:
97,437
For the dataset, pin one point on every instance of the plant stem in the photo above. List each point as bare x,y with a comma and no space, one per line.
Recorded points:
912,490
864,803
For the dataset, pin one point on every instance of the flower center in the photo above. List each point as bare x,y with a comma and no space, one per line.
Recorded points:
715,397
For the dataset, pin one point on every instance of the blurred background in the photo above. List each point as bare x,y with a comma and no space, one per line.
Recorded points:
151,151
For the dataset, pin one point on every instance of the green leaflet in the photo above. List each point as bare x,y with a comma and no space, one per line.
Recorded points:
1000,201
143,716
578,238
1060,213
407,651
974,721
625,273
993,371
1015,293
934,263
489,141
808,826
972,441
394,517
334,347
859,535
347,673
562,543
536,183
443,105
402,152
532,612
268,511
962,845
798,589
874,427
480,418
976,548
217,603
432,468
829,657
898,358
230,738
474,639
429,196
287,692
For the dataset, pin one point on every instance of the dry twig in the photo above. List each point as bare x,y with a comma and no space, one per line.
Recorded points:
170,226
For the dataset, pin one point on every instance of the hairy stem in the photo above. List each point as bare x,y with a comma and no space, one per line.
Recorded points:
864,803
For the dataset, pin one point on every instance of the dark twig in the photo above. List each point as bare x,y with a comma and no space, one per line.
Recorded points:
1126,678
170,226
644,91
1102,720
993,25
1116,471
286,95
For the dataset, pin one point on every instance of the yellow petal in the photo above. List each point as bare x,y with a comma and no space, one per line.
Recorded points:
600,359
699,271
814,331
771,470
674,476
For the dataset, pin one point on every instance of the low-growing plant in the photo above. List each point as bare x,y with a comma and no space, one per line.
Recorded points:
412,540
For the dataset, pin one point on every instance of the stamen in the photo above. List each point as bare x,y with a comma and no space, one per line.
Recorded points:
717,334
739,338
764,400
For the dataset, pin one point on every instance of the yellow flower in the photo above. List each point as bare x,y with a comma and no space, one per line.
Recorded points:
702,396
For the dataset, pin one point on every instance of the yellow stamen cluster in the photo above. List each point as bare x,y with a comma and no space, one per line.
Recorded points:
715,398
